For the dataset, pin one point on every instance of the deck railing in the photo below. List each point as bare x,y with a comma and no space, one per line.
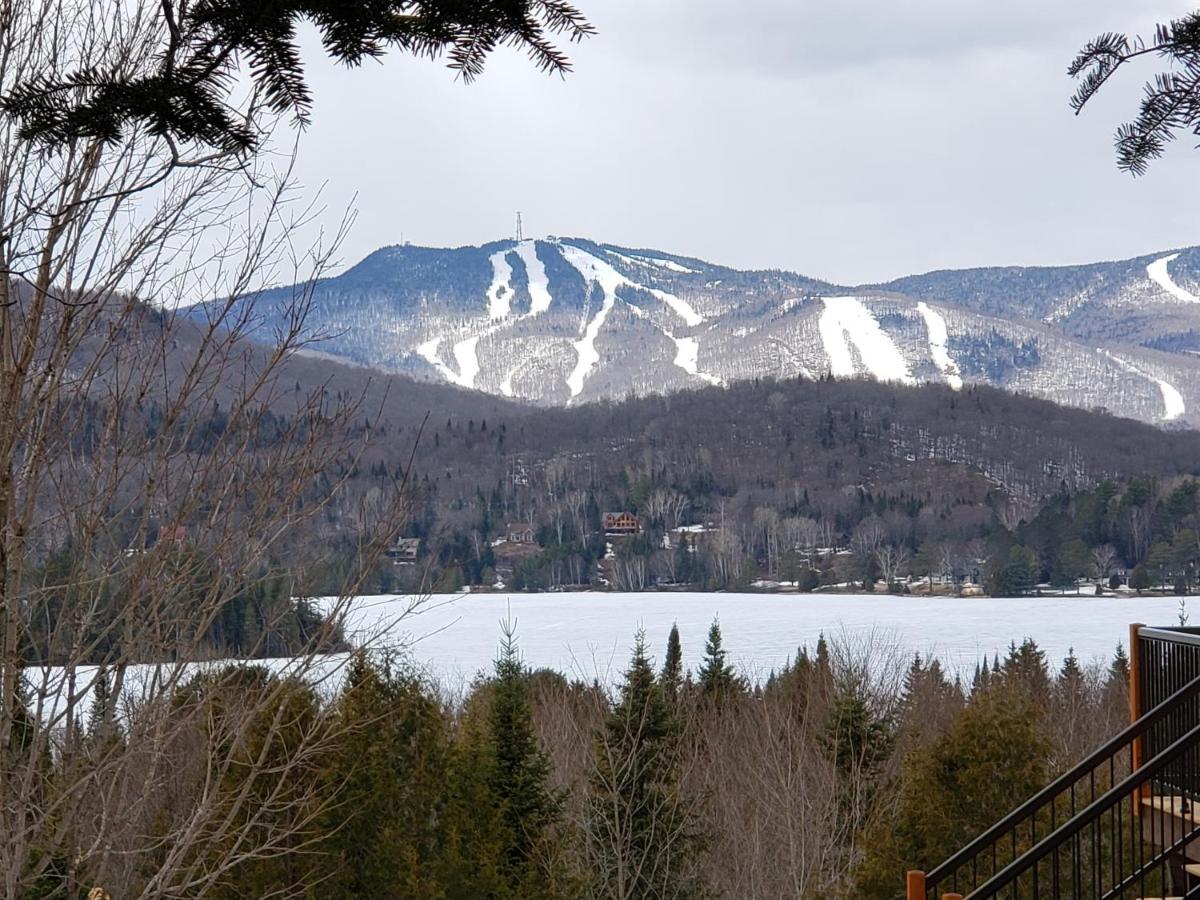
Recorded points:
1095,831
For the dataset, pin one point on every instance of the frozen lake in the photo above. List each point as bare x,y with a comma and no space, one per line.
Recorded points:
589,635
586,634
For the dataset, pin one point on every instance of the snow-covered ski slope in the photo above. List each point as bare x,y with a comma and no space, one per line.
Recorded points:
568,321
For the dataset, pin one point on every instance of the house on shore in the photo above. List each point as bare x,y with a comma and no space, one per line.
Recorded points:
621,523
404,552
520,533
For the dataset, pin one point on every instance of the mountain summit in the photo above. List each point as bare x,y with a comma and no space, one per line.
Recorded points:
566,320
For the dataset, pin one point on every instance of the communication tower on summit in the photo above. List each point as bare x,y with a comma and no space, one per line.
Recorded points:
520,235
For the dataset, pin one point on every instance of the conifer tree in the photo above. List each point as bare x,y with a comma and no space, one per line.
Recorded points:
983,677
672,671
102,727
1119,670
993,757
855,737
519,776
389,770
1025,667
642,836
716,677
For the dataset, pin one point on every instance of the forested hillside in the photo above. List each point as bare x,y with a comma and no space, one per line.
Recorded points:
769,479
826,482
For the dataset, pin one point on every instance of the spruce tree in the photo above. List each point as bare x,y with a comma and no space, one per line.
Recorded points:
642,837
1119,670
520,774
672,671
103,729
716,677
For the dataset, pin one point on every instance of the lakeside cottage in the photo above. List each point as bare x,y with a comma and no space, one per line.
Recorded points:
405,550
621,523
521,533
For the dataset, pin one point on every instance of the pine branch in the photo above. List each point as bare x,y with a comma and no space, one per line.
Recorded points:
185,99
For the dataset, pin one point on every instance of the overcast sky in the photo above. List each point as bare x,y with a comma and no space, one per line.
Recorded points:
855,141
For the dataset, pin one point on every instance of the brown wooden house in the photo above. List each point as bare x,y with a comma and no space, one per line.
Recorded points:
621,523
520,533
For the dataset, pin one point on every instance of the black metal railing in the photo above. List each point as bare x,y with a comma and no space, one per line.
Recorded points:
1095,831
1112,848
1166,659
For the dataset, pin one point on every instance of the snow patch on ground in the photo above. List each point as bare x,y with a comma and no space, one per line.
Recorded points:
670,265
657,262
1158,273
847,317
464,354
499,295
1173,405
687,357
506,387
682,308
935,324
467,357
539,284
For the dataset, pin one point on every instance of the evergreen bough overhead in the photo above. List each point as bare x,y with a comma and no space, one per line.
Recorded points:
184,96
1171,99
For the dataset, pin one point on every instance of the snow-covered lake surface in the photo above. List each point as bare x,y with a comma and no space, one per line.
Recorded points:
587,634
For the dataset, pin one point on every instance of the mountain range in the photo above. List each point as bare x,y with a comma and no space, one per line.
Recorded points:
563,321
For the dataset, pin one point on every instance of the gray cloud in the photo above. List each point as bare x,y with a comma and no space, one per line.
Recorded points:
853,141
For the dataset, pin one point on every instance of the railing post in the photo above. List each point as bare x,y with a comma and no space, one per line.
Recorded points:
916,886
952,897
1135,706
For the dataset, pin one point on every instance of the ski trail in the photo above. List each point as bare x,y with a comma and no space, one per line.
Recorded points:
1173,405
429,352
1158,273
609,279
653,261
687,357
499,295
539,284
602,271
467,357
464,354
847,317
935,324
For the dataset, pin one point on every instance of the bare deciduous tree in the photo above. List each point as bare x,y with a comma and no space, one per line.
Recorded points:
152,467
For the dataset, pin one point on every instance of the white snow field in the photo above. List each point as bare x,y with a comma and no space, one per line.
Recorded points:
590,634
687,357
499,295
1158,273
467,356
935,324
539,283
847,317
1173,405
464,354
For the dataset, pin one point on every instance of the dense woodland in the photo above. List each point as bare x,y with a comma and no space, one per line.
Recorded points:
820,483
529,785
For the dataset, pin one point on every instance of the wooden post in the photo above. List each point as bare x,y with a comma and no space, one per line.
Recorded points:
916,886
1135,706
952,897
